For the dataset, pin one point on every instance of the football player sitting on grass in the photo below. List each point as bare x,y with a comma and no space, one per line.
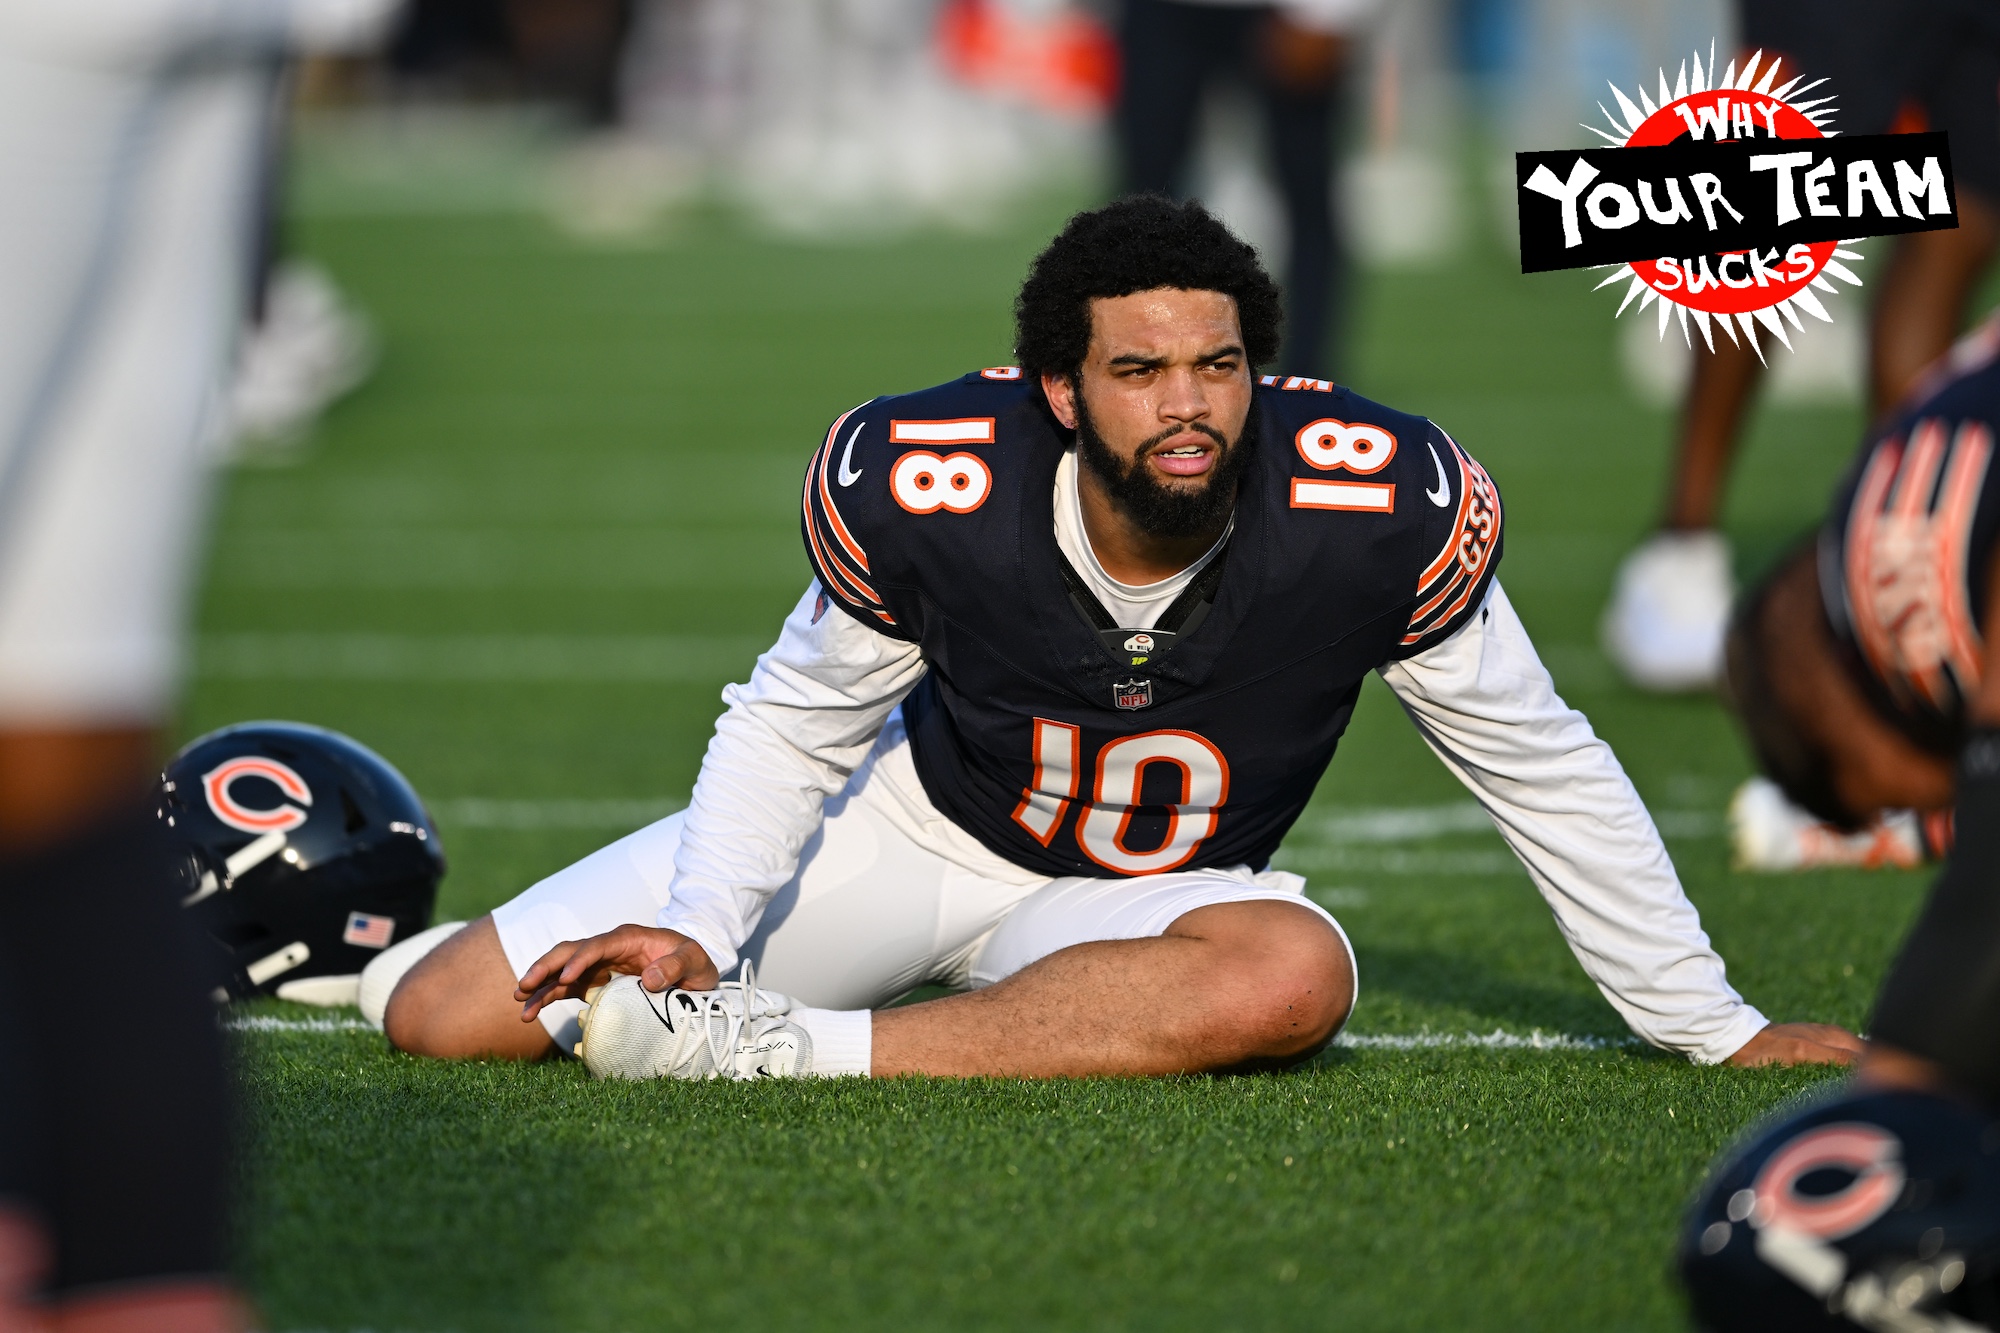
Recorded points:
1084,635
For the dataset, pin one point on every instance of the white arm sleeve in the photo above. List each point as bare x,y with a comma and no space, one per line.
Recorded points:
791,738
1486,706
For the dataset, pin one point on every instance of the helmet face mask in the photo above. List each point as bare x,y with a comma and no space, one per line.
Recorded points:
1863,1211
301,853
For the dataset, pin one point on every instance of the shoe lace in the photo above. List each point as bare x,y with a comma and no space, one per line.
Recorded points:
725,1036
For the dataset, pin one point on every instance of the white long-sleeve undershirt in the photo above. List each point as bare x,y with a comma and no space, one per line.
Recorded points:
1485,704
795,733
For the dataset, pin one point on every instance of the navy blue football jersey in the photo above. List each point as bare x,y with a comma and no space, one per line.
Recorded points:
1905,552
1362,535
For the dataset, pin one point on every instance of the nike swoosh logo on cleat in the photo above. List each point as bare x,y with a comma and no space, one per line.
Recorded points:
1442,495
848,478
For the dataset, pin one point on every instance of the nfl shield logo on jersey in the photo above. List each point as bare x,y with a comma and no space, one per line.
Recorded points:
1132,693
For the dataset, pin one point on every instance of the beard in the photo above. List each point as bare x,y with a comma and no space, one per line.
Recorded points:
1158,509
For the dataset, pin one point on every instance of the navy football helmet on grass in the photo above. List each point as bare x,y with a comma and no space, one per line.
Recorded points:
300,852
1871,1210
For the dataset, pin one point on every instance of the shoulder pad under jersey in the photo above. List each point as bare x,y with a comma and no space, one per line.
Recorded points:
1351,454
923,455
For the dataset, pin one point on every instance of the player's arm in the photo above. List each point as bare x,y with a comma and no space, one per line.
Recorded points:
791,737
1937,1020
1487,707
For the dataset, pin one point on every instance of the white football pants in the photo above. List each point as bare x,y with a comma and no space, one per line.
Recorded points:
871,915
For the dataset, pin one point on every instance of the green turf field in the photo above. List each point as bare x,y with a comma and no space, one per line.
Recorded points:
522,562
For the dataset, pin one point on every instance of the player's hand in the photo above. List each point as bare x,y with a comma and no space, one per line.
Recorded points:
659,958
1800,1044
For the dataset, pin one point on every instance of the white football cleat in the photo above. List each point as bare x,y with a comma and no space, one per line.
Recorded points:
1768,832
310,348
735,1031
1670,610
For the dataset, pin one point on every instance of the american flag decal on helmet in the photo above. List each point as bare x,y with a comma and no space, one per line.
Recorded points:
368,930
1461,570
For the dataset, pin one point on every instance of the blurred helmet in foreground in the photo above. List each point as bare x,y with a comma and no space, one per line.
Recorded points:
1872,1211
301,853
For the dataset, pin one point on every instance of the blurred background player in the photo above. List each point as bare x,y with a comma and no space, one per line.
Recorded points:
302,345
1294,57
1856,665
129,141
1879,1208
1928,64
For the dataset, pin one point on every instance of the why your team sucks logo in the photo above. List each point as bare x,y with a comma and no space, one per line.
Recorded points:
1727,202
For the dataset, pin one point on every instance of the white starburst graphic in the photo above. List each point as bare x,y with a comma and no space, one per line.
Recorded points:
1736,105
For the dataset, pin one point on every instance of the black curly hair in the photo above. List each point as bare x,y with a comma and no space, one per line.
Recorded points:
1135,245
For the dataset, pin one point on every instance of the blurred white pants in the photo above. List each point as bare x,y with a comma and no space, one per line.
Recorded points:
126,201
870,914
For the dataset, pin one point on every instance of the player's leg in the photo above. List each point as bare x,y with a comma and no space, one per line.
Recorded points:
869,916
456,999
1925,287
1173,973
1168,49
1922,294
124,251
1670,603
1711,424
1298,71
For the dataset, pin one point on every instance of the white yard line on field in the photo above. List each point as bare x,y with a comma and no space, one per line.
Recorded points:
1495,1040
671,659
1416,823
558,813
267,1023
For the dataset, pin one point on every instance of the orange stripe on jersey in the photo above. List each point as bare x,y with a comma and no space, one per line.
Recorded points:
1970,455
1448,585
1918,474
1862,522
834,521
1458,576
839,580
1908,534
1450,551
836,576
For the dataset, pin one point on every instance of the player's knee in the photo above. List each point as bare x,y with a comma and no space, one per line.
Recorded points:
1306,991
413,1015
456,1001
1293,983
381,977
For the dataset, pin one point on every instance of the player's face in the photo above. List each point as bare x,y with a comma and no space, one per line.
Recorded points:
1160,404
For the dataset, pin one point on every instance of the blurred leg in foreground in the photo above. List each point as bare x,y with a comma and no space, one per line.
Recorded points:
1172,51
128,144
1933,65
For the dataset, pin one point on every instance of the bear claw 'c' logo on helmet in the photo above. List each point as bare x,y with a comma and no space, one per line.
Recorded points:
1867,1157
215,786
1870,1210
301,853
